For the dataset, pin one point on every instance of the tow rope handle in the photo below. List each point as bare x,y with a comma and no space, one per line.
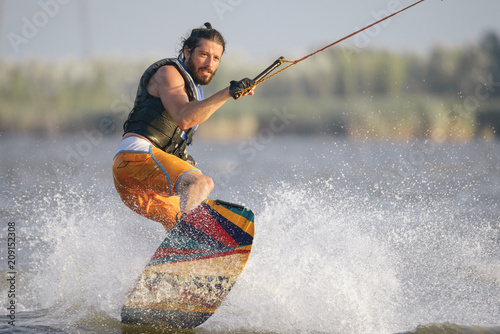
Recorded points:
262,75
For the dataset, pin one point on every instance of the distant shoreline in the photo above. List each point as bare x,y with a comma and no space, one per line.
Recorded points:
450,94
434,120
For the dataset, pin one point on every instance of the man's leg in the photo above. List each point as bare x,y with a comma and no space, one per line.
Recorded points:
193,188
135,175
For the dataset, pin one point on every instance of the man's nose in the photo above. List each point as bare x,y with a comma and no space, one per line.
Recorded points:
210,62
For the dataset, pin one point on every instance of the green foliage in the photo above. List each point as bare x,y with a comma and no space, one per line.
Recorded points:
372,93
45,96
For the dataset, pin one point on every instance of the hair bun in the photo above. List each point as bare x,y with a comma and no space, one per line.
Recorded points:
208,25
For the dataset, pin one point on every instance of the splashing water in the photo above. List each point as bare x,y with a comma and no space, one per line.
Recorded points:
79,251
313,269
330,255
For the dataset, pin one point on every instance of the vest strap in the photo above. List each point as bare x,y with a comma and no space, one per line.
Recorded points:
150,119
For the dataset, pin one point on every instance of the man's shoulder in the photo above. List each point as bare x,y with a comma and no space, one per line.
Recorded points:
168,72
165,62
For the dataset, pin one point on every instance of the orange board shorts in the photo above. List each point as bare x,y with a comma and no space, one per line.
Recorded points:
147,183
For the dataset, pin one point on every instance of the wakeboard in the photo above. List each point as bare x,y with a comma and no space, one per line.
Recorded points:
193,269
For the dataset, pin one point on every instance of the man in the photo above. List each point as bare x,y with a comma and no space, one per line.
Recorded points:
153,174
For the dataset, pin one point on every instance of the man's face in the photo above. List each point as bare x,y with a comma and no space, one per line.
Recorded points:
202,62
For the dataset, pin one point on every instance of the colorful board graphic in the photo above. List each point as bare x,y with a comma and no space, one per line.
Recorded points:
194,268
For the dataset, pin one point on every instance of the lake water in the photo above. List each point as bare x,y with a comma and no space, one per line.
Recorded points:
351,236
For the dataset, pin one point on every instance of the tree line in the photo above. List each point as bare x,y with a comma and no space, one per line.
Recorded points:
445,71
340,89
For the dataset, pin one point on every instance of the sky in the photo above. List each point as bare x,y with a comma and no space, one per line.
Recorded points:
256,29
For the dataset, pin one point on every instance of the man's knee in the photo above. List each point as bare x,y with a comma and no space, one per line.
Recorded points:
205,181
209,183
197,179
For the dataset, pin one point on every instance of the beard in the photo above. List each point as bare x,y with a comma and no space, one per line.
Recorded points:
197,75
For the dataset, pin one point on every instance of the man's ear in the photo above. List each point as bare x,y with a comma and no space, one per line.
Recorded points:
187,52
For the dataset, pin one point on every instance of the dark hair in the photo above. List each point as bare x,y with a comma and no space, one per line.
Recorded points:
206,32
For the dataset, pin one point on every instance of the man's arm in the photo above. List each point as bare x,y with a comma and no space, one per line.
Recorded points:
168,84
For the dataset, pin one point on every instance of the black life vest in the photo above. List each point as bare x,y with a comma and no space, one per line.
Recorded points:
149,118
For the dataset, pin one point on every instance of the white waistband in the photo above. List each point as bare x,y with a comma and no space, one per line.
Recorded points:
133,144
